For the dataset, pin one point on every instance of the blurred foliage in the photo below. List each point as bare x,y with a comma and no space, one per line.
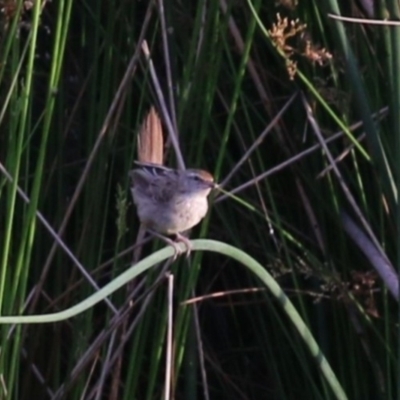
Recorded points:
75,87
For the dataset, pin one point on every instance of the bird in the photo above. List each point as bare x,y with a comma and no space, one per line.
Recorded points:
168,201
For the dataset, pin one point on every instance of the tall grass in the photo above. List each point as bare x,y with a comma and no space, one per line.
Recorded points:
317,198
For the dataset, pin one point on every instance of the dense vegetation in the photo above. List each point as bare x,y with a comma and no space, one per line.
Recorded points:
295,112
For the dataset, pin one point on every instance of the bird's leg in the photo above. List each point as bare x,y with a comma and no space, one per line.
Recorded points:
186,241
177,250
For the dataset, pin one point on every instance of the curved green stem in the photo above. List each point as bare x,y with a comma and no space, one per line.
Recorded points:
209,245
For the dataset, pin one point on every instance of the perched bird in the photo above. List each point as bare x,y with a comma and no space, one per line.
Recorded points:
168,201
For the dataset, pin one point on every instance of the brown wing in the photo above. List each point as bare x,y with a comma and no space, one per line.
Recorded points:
150,182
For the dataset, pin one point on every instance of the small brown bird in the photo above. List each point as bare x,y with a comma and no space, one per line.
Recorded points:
168,201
